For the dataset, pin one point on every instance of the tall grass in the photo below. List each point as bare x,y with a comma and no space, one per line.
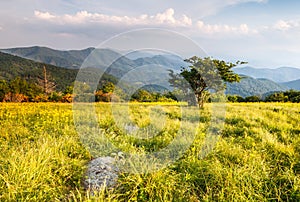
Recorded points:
257,157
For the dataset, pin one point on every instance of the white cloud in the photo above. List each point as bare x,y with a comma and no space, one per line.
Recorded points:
186,20
223,29
283,25
44,16
166,19
84,17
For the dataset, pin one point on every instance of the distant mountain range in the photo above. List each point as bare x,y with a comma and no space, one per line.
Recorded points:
279,75
73,59
67,59
295,84
152,69
249,86
138,67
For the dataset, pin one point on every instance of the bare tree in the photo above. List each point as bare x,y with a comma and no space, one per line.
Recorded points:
46,82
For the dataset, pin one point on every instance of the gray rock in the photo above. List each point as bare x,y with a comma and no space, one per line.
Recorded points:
101,172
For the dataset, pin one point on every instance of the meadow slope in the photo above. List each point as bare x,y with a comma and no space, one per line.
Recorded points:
257,157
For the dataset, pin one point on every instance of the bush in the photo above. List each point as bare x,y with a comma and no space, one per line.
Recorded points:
235,98
276,97
252,99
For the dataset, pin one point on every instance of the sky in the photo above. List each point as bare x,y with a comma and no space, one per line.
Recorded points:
264,33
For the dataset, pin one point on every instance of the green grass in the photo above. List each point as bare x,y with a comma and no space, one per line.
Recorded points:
257,157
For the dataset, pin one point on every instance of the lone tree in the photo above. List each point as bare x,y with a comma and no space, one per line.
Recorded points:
203,76
46,83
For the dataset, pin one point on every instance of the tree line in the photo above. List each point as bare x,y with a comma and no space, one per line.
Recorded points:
287,96
21,90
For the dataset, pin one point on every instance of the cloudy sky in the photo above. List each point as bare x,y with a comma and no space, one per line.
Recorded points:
265,33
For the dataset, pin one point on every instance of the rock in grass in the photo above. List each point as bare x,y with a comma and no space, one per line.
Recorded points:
101,172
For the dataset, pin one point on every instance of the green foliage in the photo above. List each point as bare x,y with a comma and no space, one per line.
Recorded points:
55,97
253,98
108,87
235,98
203,75
18,87
292,96
82,87
69,90
276,97
4,89
142,96
287,96
145,96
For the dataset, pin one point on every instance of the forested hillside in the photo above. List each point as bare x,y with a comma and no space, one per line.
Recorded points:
14,66
249,86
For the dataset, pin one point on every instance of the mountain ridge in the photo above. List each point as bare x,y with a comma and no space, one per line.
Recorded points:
279,75
71,59
153,69
249,86
295,84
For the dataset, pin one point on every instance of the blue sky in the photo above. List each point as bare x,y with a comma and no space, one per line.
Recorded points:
265,33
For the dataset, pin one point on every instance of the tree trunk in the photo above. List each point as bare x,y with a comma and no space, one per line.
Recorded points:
45,81
201,103
200,100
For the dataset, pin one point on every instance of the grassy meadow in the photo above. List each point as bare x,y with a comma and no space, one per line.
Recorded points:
257,156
